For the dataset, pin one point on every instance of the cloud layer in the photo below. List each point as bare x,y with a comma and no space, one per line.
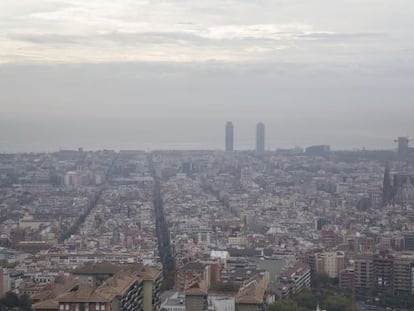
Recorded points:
94,31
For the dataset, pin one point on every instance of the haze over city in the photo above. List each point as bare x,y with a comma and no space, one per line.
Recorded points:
169,74
207,155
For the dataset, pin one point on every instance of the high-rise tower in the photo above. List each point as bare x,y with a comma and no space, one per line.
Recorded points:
229,137
403,149
260,137
387,186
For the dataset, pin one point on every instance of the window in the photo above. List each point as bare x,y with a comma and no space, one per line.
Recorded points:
67,306
102,307
97,306
86,306
77,307
61,307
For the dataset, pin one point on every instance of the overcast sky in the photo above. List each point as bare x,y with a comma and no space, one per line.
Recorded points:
344,66
340,31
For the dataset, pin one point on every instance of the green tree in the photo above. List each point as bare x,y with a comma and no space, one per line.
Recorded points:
337,303
306,299
25,303
11,300
285,305
321,280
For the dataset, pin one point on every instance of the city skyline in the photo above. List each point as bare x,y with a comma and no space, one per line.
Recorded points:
107,135
185,68
204,135
209,155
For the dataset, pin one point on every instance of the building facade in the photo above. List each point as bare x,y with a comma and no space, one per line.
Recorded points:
330,263
260,138
295,280
229,137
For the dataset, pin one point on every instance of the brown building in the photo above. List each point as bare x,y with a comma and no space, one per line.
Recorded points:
47,300
104,287
402,278
95,274
151,277
196,295
252,295
121,292
364,272
383,272
346,278
191,271
386,273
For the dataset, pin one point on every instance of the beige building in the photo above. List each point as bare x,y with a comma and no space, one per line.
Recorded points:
28,222
152,282
331,263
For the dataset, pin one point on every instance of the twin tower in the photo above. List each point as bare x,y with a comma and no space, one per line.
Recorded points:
260,137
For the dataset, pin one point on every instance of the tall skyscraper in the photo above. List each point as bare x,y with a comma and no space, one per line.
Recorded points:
229,137
260,137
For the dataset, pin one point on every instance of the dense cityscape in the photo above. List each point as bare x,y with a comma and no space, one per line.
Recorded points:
285,229
211,155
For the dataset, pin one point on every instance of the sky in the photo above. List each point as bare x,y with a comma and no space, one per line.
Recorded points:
168,74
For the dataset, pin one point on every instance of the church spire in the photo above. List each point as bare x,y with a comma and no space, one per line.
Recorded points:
387,187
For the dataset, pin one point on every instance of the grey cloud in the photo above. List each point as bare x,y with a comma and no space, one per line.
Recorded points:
24,8
115,37
187,38
345,36
232,30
